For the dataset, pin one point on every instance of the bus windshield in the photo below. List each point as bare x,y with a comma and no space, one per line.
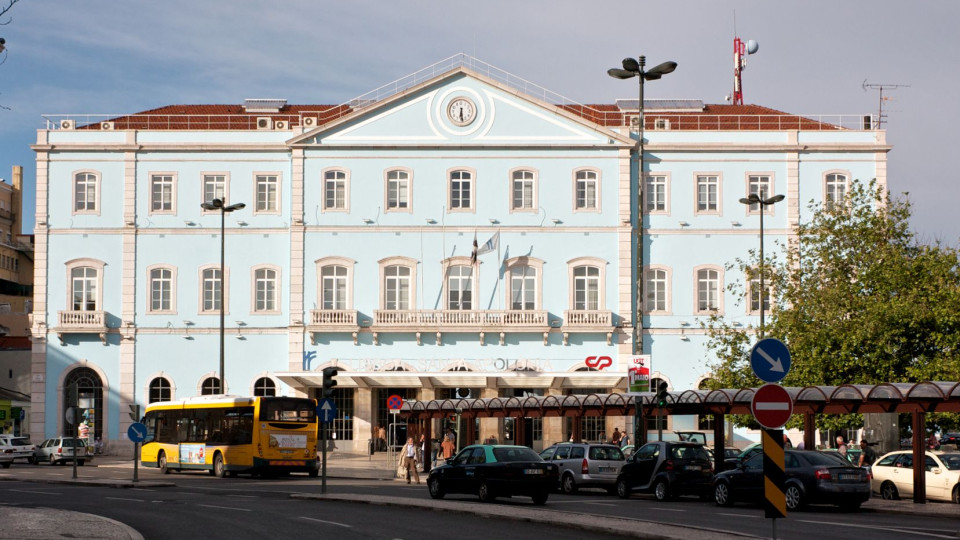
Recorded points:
287,410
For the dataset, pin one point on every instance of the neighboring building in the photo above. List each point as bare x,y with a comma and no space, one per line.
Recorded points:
354,249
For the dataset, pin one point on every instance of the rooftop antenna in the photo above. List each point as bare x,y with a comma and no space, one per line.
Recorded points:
880,86
740,51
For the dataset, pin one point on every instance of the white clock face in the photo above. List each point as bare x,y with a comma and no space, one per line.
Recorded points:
461,111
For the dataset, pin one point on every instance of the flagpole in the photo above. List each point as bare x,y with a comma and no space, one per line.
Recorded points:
499,272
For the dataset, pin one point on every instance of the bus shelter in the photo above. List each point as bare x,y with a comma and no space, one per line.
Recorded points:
918,399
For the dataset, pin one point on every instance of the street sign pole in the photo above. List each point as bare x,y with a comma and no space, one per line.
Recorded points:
323,464
135,416
326,412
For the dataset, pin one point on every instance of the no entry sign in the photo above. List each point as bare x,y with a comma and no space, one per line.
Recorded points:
771,406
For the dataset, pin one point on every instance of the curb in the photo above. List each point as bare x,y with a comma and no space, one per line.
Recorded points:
23,523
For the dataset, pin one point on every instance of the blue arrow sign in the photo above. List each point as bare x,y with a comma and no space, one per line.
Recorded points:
137,432
326,410
770,360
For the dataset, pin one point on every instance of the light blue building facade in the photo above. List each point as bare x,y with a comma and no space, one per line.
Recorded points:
356,246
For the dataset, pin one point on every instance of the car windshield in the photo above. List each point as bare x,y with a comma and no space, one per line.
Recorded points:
830,459
690,452
515,453
951,461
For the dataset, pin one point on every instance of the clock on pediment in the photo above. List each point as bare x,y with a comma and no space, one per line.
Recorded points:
461,111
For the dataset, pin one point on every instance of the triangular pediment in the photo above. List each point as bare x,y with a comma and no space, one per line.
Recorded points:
461,108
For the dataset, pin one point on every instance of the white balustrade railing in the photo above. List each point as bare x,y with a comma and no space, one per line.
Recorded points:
459,318
587,318
333,317
82,319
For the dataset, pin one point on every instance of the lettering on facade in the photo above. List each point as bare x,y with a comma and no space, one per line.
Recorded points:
441,364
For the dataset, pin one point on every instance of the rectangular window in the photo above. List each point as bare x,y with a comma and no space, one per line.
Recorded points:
161,193
707,190
85,193
708,290
755,296
656,290
265,283
586,288
523,186
523,288
161,288
335,190
214,187
268,193
84,284
211,289
836,189
333,287
397,288
587,188
461,183
759,186
398,190
655,194
460,288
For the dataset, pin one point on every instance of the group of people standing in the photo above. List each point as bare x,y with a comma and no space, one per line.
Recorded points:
412,454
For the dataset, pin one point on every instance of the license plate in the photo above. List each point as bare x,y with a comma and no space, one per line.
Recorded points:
848,476
608,469
286,451
533,471
694,468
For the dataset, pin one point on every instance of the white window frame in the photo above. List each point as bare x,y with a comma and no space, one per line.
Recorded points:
95,179
255,285
597,181
263,177
753,283
156,177
667,283
472,192
386,190
756,179
523,262
719,289
173,289
224,282
97,266
323,190
647,189
696,193
534,196
165,378
830,179
410,264
589,262
205,178
331,262
455,262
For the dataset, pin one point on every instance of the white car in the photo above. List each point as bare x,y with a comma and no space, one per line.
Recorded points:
13,448
893,475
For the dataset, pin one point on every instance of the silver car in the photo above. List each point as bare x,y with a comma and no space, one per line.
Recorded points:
586,465
59,450
13,448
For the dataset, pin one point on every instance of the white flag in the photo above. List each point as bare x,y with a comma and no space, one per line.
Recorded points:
490,245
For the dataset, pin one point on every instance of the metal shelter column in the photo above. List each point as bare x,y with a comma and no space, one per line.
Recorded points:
809,432
919,458
718,442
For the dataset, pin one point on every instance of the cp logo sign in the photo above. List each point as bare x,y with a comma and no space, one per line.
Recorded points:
598,362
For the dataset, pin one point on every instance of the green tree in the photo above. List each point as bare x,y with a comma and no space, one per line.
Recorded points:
856,298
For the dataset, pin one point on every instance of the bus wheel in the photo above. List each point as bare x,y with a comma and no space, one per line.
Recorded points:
219,470
162,463
314,473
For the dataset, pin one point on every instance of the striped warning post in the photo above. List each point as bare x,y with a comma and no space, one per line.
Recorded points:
774,476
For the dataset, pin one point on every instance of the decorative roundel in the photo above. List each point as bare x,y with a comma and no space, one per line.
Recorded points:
462,111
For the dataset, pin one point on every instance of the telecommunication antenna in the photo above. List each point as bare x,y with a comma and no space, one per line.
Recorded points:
881,86
740,51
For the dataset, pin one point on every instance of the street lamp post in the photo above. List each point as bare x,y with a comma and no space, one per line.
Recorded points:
634,68
217,204
755,199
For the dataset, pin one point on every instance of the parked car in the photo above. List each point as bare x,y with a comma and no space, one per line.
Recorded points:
13,448
59,450
667,469
585,465
893,475
950,438
811,478
490,471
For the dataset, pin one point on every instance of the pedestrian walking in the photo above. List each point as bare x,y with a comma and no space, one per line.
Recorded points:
408,460
841,446
615,438
867,454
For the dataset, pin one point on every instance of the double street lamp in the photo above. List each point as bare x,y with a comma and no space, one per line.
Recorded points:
634,68
763,203
217,204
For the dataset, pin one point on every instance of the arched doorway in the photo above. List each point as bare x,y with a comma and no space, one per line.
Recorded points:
83,389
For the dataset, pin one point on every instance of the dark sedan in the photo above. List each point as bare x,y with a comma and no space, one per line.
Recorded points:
491,471
811,478
667,469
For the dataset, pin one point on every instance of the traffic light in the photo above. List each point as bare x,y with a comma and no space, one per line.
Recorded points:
662,394
134,412
328,382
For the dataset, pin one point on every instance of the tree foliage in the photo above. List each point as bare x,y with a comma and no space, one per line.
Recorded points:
856,298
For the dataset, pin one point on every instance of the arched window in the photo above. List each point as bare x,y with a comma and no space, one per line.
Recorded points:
160,390
460,189
86,193
398,189
709,287
835,189
210,387
656,290
523,190
211,280
266,289
83,388
264,387
336,190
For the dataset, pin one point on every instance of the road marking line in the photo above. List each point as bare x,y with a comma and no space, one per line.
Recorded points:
243,496
40,492
737,515
123,499
327,522
224,507
597,503
660,508
855,526
141,489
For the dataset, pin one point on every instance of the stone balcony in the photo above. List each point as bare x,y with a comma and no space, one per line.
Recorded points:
453,320
587,320
82,322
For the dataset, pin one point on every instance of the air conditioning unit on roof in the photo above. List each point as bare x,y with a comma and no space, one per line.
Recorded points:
661,123
106,126
264,122
280,124
309,122
67,124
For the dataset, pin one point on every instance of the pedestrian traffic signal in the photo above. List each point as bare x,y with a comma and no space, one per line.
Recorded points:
328,382
662,394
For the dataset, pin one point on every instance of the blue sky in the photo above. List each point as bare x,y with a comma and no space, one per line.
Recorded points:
110,57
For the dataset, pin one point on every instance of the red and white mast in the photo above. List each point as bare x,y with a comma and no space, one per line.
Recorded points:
740,52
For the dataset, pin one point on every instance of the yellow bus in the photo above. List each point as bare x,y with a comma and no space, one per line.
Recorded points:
226,435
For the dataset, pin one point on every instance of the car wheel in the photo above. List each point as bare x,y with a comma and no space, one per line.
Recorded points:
623,490
661,490
6,464
956,494
313,473
484,493
568,485
162,463
540,498
889,492
794,497
433,484
53,460
722,495
32,460
219,469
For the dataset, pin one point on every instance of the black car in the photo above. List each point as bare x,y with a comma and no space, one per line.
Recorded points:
811,478
492,471
950,438
667,469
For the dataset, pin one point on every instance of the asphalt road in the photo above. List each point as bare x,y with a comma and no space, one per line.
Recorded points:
246,507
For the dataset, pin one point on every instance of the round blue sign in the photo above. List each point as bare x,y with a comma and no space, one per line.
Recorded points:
137,432
770,360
